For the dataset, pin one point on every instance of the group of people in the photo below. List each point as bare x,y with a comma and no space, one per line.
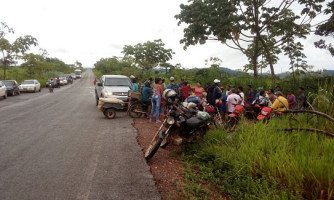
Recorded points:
216,95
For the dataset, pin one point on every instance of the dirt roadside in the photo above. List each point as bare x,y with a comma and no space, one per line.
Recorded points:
167,170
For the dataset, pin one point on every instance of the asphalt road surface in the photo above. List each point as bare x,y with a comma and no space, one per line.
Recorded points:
59,146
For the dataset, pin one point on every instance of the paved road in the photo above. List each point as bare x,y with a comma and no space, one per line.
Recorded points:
59,146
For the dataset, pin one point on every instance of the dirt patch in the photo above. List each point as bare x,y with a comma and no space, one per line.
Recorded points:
167,170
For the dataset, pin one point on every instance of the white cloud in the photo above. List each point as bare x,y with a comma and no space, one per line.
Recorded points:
89,30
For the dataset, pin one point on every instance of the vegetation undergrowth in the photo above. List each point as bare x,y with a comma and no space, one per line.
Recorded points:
259,162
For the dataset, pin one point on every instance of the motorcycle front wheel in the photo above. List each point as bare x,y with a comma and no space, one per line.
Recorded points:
155,145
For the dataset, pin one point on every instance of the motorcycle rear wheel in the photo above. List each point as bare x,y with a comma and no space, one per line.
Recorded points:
154,146
135,107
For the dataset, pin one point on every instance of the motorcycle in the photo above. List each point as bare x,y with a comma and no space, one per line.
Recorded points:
233,118
181,125
50,86
137,109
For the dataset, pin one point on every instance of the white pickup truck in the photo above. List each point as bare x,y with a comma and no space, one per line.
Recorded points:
117,86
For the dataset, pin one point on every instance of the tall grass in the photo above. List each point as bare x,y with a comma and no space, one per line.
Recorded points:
259,162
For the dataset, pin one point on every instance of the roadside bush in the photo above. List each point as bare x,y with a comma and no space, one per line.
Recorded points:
258,162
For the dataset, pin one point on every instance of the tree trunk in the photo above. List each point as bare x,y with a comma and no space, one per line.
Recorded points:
269,58
255,56
4,71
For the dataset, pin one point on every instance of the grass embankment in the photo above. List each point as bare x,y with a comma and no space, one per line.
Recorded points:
258,162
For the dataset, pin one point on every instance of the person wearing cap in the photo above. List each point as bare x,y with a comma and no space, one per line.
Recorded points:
217,92
280,104
135,87
173,85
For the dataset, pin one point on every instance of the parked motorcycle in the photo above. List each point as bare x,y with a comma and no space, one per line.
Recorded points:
138,109
181,125
233,118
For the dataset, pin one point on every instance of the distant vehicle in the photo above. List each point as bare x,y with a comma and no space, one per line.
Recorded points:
69,79
12,87
77,73
63,81
73,76
3,92
30,86
117,86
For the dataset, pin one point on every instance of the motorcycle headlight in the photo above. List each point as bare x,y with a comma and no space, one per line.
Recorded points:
170,120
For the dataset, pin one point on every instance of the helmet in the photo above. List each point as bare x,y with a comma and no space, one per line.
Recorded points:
172,78
216,81
169,95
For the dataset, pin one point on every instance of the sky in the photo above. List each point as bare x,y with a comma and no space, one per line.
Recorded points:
89,30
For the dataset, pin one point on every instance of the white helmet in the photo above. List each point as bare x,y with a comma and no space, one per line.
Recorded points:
169,93
216,81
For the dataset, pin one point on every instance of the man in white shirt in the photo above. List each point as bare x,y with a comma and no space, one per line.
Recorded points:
232,100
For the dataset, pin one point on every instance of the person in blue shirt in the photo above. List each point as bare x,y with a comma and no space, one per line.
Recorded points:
146,94
135,87
174,86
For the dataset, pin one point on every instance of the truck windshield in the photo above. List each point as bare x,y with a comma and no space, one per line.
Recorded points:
117,82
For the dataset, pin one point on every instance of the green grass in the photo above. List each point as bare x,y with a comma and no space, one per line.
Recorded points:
259,162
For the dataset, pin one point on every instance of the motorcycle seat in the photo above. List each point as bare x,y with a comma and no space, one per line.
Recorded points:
194,122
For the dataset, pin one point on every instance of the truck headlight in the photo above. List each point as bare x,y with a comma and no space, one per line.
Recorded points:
107,94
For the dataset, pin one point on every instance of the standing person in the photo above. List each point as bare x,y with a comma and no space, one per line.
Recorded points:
173,85
135,86
185,90
292,100
250,95
302,101
242,95
146,95
58,82
217,92
232,100
228,90
198,90
156,100
209,97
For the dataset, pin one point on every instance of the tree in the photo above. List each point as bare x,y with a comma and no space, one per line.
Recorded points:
254,27
12,51
148,55
326,29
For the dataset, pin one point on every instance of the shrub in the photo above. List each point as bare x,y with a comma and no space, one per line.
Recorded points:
259,162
